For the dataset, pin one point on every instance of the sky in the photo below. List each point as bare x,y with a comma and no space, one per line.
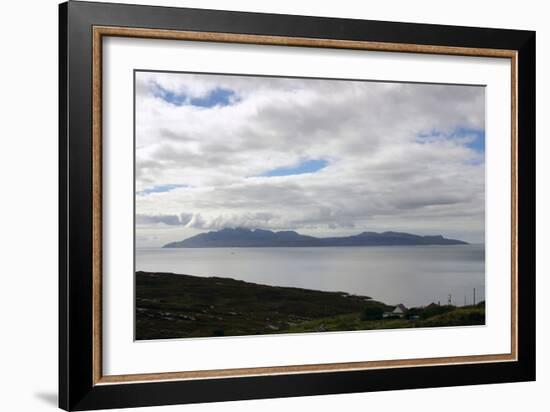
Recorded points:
318,156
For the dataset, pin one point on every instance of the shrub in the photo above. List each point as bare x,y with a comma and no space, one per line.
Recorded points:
372,313
434,310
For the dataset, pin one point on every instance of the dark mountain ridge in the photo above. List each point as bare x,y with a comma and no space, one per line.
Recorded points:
241,237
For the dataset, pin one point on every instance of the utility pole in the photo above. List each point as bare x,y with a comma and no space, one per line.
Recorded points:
450,299
474,296
464,300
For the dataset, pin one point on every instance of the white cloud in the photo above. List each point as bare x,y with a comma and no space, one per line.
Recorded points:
379,176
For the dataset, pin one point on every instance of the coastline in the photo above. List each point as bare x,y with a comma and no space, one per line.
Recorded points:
172,305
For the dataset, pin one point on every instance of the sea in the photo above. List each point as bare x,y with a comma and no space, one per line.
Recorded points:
411,275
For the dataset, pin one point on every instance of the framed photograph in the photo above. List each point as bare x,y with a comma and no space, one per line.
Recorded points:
256,205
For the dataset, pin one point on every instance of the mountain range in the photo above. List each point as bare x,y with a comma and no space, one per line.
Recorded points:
241,237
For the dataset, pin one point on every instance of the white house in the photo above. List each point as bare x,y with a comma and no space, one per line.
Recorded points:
398,312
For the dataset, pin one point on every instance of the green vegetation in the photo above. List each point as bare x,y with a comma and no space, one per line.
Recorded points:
464,316
178,306
372,313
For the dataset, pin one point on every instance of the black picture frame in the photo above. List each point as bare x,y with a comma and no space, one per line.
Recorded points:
77,390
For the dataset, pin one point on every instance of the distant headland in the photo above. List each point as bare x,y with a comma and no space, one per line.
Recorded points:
242,237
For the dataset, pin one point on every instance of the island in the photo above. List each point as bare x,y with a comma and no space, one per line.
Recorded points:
172,305
243,237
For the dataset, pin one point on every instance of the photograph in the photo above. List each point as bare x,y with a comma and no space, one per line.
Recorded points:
288,205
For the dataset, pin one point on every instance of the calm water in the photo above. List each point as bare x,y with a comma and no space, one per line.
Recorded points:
413,275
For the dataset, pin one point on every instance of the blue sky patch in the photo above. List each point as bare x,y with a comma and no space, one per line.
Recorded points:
478,142
216,97
306,166
474,138
160,189
177,99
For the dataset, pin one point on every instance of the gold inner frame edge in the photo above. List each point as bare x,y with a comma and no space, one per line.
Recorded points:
98,32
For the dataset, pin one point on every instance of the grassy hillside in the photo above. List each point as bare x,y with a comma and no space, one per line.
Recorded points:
178,306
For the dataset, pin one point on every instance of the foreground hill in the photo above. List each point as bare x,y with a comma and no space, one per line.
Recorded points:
241,237
181,306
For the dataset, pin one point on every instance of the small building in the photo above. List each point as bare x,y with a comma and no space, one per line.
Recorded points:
398,312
